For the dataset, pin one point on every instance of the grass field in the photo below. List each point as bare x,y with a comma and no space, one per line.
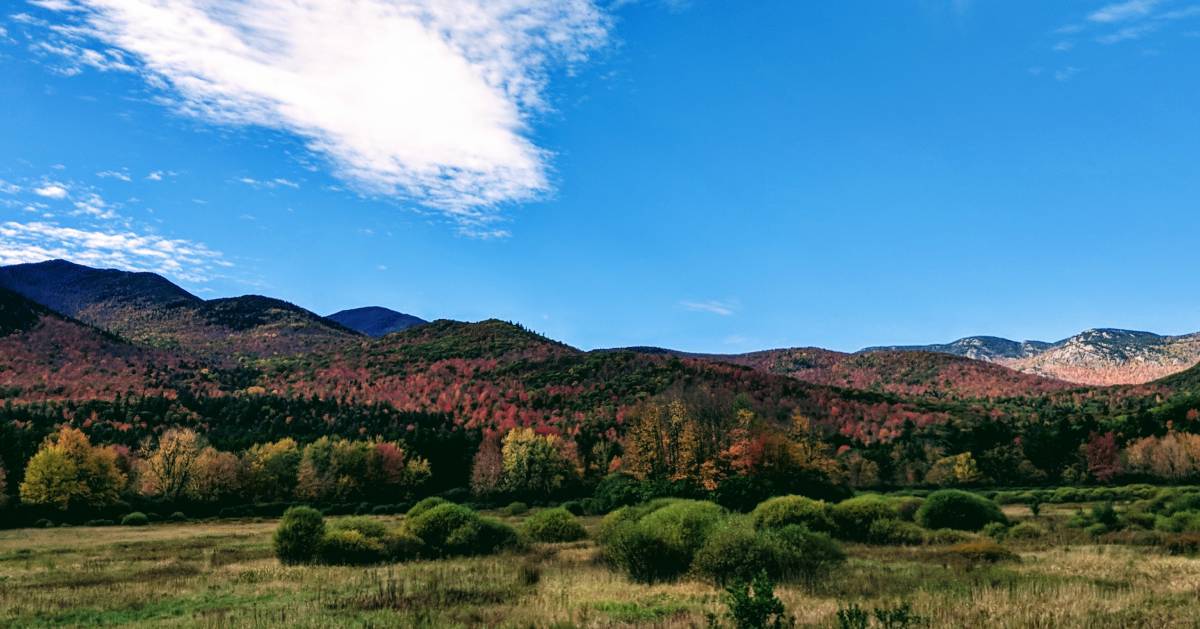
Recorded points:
223,574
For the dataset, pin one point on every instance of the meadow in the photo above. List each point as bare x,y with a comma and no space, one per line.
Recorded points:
223,573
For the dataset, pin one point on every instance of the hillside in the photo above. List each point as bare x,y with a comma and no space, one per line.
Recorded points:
375,321
1094,357
148,309
45,356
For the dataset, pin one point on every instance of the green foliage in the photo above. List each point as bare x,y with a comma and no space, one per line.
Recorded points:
299,535
136,518
853,617
617,490
553,525
425,505
895,533
685,524
1179,522
367,526
854,517
735,551
451,530
907,506
753,605
516,508
351,548
1027,531
976,553
995,530
777,513
955,509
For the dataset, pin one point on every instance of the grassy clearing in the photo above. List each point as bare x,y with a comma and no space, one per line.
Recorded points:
222,574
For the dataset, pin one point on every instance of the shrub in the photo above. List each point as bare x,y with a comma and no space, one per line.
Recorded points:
943,537
403,546
1027,530
736,552
972,554
367,526
684,524
137,518
516,508
574,507
643,554
956,509
299,535
657,541
617,490
630,514
1181,522
895,532
43,523
450,529
1096,530
100,522
807,555
853,517
995,530
553,525
349,547
425,505
777,513
178,516
753,605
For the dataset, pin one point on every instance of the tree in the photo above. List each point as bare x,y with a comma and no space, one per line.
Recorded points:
1103,456
271,469
487,470
166,469
534,464
3,487
216,475
68,471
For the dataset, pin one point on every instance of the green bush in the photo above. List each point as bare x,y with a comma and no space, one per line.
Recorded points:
1096,530
450,529
735,552
516,508
777,513
299,535
365,525
753,605
100,522
349,547
575,507
995,530
853,517
1027,530
553,525
178,516
807,555
425,505
403,546
895,532
942,537
657,541
1180,522
972,554
956,509
137,518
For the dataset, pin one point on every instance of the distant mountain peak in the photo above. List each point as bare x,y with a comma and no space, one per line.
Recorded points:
375,320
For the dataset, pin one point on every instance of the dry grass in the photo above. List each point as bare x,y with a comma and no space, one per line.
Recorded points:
223,575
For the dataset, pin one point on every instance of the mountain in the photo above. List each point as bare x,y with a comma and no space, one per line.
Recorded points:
1098,357
375,321
150,310
47,356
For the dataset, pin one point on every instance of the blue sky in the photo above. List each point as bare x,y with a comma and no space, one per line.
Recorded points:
707,175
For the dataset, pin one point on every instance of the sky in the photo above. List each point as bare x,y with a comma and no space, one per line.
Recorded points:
707,175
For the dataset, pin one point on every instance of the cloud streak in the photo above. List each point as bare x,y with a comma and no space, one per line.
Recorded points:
712,306
39,241
1123,11
424,100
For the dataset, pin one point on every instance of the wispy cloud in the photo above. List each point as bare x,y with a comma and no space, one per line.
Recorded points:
711,306
52,190
38,241
114,174
1066,74
1123,11
269,183
1128,33
424,100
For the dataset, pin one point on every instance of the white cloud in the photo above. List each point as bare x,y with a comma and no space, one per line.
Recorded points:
9,187
94,206
114,174
1066,74
52,191
155,176
712,306
270,183
1126,34
427,100
1180,14
1123,11
1063,46
38,241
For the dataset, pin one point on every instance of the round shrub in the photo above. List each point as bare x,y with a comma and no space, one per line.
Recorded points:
369,527
348,547
853,517
553,525
956,509
137,518
425,505
630,514
995,530
516,508
178,516
450,529
644,554
684,524
100,522
1180,522
299,535
43,523
1027,530
942,537
807,555
777,513
575,507
895,532
735,551
403,546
